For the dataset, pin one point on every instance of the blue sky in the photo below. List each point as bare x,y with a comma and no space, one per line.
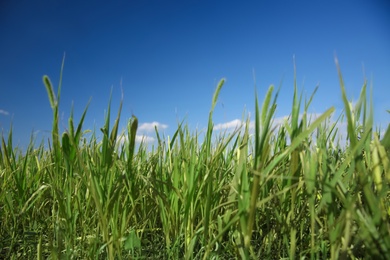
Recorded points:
168,57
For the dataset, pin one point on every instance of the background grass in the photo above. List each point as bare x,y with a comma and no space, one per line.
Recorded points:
268,191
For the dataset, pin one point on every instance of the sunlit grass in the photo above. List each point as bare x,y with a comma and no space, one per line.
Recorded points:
261,192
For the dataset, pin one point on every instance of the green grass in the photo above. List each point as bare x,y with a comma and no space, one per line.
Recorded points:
266,192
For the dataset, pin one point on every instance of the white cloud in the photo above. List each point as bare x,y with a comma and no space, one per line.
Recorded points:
149,127
122,138
280,121
276,122
144,138
228,125
311,117
3,112
138,139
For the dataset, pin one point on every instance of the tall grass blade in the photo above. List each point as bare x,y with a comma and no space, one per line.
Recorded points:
209,180
262,135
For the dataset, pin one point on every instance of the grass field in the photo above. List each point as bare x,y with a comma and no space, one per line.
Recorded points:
261,192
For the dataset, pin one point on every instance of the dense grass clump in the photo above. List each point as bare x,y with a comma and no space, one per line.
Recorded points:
260,192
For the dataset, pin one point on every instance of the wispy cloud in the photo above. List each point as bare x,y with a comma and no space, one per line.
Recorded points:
149,127
3,112
228,125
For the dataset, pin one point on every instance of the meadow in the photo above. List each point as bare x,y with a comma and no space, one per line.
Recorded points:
263,191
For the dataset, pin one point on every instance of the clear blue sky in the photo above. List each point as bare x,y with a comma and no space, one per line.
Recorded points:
170,55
